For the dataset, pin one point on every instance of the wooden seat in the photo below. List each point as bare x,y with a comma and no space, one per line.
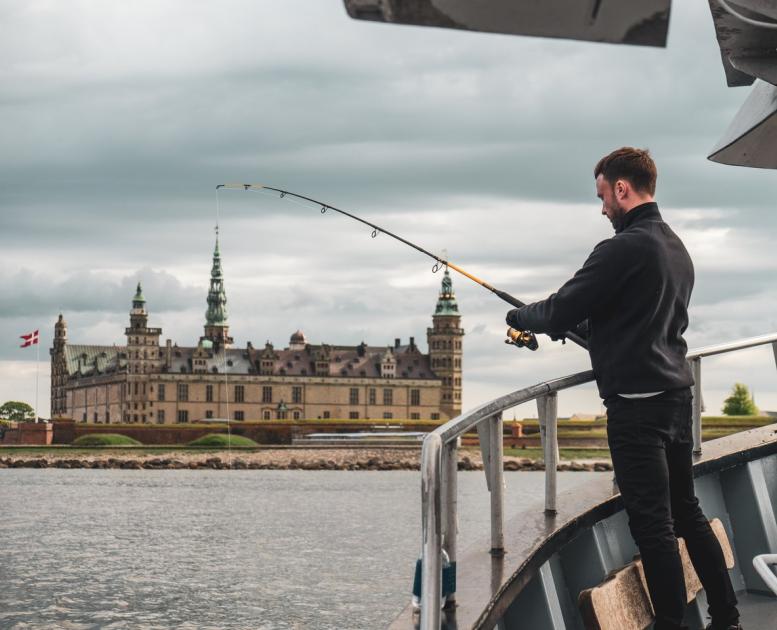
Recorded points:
621,601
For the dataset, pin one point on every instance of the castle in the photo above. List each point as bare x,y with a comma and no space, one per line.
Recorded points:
145,382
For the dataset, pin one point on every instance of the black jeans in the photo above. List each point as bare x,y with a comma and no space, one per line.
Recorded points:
651,445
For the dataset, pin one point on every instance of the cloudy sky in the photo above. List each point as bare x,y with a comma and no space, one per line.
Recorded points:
117,120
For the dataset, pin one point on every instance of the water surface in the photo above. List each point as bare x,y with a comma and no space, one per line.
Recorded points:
83,549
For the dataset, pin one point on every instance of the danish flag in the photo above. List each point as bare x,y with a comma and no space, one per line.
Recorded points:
30,339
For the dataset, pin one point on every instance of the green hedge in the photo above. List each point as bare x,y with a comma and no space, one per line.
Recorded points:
105,439
222,440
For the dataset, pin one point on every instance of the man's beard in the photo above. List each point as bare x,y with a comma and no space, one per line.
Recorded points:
617,217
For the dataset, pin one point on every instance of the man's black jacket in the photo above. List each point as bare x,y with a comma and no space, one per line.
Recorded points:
634,291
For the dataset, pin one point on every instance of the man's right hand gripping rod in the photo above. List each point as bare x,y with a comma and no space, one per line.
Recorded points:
526,338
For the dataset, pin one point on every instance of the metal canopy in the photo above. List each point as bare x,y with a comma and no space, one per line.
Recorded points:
746,49
640,22
751,139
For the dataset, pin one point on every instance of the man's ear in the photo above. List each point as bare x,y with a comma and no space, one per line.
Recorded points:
621,189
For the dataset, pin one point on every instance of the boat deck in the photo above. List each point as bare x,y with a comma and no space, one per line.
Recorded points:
549,559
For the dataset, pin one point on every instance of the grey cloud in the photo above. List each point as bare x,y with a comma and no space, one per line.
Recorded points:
33,293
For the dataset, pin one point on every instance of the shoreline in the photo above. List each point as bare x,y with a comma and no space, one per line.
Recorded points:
280,459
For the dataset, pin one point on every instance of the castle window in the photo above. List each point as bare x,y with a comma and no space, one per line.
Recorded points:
136,389
266,415
296,415
160,416
160,392
183,392
95,416
326,414
240,393
267,394
107,417
353,415
415,416
296,394
388,397
209,413
353,398
387,415
209,393
240,415
415,397
435,416
183,415
372,396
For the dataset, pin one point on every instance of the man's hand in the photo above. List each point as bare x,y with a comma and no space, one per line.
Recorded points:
512,318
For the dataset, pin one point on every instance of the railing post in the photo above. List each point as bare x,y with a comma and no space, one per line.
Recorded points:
450,467
497,485
431,549
774,349
547,408
697,403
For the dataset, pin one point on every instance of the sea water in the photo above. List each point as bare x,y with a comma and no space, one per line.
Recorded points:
84,549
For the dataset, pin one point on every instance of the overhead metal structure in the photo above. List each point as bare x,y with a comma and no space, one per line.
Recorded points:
746,31
641,22
747,36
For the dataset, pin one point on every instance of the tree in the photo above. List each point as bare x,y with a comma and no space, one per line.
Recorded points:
16,411
740,403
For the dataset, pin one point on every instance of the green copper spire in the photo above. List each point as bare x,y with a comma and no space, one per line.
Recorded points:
138,301
216,315
446,302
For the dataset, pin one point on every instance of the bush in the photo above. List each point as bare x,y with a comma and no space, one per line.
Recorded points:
105,439
222,440
740,402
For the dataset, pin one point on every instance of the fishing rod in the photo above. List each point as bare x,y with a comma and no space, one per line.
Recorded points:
518,338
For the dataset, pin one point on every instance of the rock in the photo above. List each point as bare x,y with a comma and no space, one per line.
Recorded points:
512,465
602,466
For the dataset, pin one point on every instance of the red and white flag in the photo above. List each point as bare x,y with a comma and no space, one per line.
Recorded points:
29,340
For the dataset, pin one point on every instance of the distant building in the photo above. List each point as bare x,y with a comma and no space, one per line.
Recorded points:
145,382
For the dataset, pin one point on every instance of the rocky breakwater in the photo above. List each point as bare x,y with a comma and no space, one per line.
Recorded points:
271,459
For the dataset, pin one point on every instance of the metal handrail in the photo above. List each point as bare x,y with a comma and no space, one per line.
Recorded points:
439,457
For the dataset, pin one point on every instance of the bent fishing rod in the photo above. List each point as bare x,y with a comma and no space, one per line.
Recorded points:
519,338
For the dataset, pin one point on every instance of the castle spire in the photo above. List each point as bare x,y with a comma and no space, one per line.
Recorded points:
216,315
446,301
216,324
138,301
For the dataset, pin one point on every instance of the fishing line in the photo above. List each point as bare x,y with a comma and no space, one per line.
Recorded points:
226,376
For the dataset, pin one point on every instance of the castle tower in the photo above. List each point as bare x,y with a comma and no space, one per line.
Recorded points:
143,359
58,369
445,347
216,325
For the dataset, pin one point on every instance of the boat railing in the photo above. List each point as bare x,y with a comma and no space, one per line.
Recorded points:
439,466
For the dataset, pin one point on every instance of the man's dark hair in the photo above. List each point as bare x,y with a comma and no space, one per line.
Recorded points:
634,165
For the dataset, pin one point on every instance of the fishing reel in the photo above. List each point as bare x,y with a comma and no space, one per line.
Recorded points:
521,339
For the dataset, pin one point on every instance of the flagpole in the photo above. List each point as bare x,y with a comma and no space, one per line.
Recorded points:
37,364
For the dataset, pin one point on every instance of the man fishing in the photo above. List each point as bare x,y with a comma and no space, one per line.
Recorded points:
630,299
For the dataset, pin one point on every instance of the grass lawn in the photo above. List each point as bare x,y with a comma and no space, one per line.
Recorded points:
222,440
105,439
